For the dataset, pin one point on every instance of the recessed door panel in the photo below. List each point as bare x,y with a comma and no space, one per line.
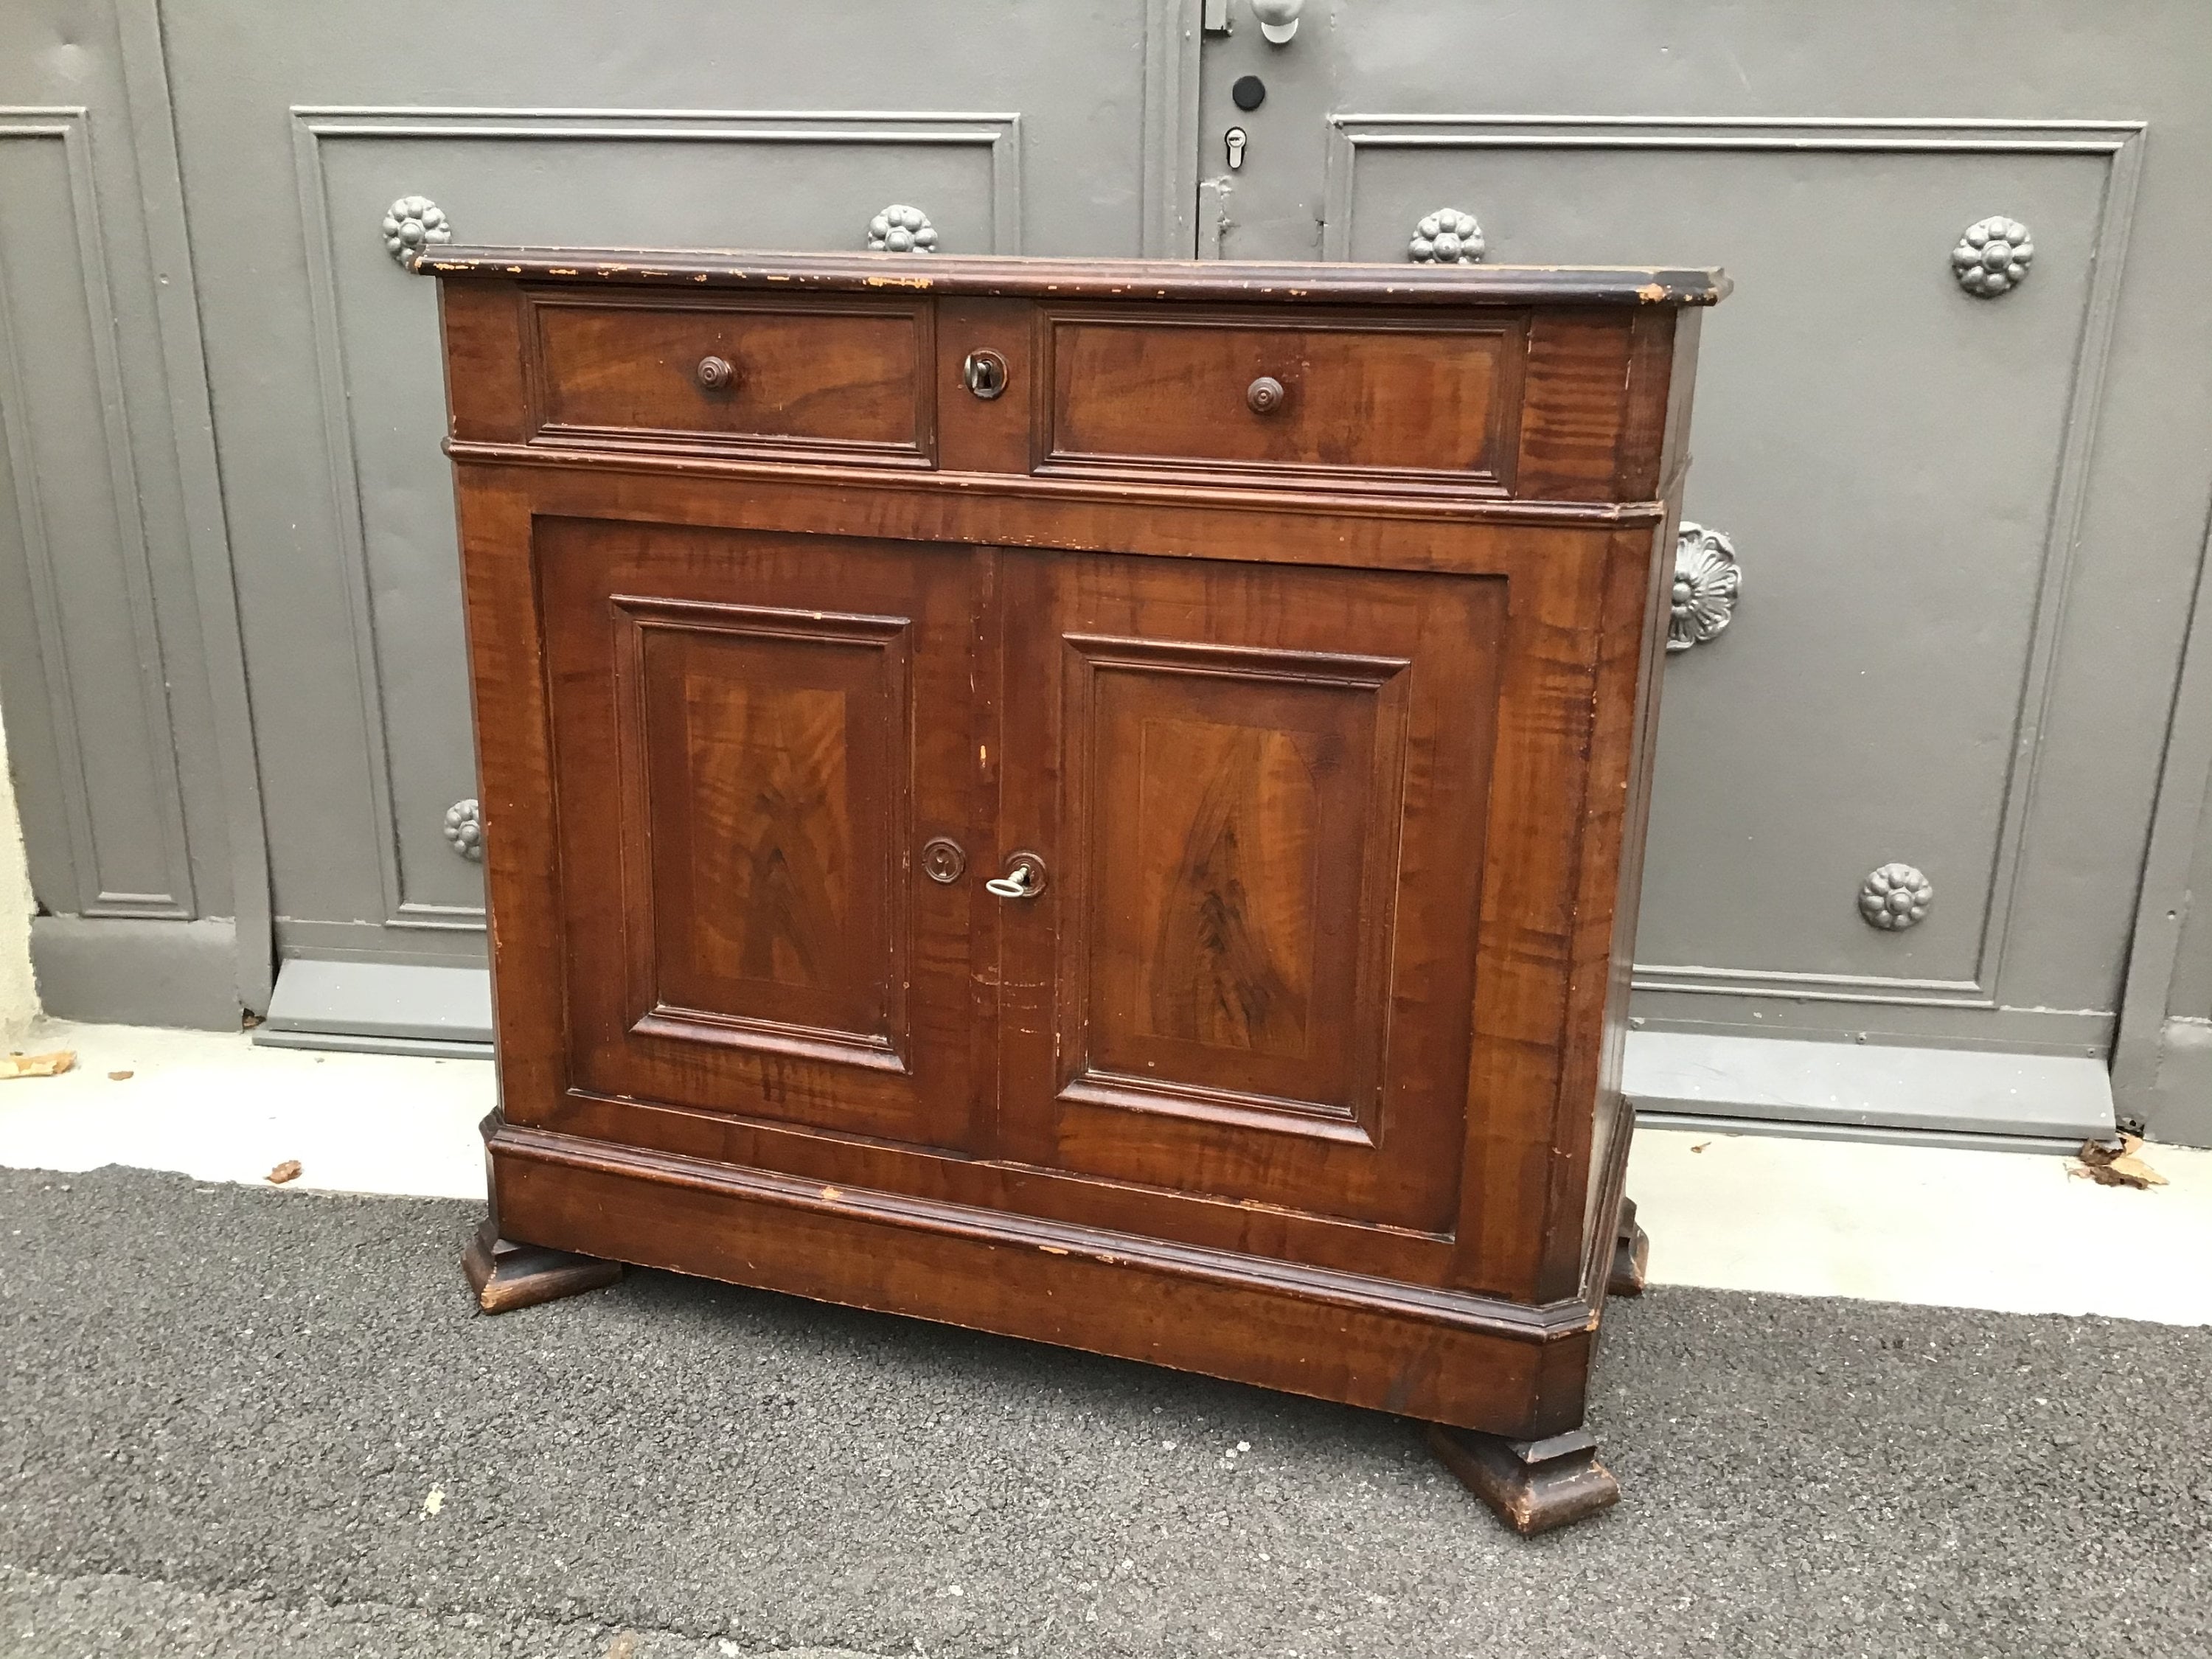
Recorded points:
1259,793
754,735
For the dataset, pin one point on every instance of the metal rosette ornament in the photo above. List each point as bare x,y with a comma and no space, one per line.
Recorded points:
899,229
463,830
1895,897
411,225
1446,237
1993,257
1707,582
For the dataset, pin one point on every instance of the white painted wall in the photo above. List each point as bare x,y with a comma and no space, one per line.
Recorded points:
18,991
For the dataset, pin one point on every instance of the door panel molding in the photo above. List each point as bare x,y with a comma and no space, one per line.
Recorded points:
1169,229
160,803
314,127
206,529
2121,145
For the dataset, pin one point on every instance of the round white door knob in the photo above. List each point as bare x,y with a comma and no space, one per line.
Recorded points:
1279,19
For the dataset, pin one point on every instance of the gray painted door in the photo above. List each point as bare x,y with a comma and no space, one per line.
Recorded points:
1027,127
127,733
1965,522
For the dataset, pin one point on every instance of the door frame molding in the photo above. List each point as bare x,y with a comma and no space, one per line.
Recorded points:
1170,130
2162,902
206,527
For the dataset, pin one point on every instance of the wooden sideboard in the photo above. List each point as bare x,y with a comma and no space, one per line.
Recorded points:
1100,802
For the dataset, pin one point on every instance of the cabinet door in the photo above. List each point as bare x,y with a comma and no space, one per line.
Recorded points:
1258,796
755,738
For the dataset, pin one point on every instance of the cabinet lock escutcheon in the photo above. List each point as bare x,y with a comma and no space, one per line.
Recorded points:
943,858
1025,878
984,373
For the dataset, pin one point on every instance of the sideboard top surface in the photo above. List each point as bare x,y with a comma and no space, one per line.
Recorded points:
1097,279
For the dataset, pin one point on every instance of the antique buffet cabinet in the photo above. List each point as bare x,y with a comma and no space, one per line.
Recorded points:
1100,802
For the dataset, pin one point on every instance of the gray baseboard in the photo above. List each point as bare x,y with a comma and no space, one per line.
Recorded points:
1859,1092
1870,1088
1857,1134
114,971
2180,1106
380,1007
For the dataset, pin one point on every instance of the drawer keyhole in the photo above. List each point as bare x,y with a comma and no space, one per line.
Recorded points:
1265,395
984,373
715,373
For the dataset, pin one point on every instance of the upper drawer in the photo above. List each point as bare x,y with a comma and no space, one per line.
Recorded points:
1357,401
841,382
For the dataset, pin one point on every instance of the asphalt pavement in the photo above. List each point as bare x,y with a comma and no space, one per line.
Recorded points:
238,1422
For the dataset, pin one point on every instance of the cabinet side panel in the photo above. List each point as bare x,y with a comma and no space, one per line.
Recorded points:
1530,1013
508,687
1617,807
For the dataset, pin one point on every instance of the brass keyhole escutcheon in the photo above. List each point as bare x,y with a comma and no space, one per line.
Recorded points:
1265,395
942,860
715,373
984,373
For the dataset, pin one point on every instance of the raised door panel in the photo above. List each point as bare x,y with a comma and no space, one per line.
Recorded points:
762,773
1261,792
746,778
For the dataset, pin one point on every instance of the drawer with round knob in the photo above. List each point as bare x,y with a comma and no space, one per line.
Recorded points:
842,383
1423,402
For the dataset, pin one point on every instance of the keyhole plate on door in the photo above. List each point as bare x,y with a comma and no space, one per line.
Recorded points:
1236,141
1025,878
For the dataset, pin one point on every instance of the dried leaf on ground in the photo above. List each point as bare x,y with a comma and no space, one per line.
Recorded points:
288,1170
1701,1145
52,1065
2110,1165
121,1077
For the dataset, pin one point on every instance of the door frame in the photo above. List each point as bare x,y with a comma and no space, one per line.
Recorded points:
2162,901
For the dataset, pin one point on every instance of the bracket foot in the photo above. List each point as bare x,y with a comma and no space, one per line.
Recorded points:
1533,1485
505,1276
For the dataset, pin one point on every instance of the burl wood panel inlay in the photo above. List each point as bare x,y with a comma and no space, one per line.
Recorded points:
771,779
1226,914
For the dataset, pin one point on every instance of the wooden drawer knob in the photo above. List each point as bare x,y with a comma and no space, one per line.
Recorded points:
715,373
1265,395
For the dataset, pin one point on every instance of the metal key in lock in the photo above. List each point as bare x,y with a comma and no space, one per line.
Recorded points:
1236,142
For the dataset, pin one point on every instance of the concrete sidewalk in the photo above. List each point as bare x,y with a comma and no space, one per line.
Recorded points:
2002,1230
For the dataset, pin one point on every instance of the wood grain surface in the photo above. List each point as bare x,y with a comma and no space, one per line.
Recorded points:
1321,729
